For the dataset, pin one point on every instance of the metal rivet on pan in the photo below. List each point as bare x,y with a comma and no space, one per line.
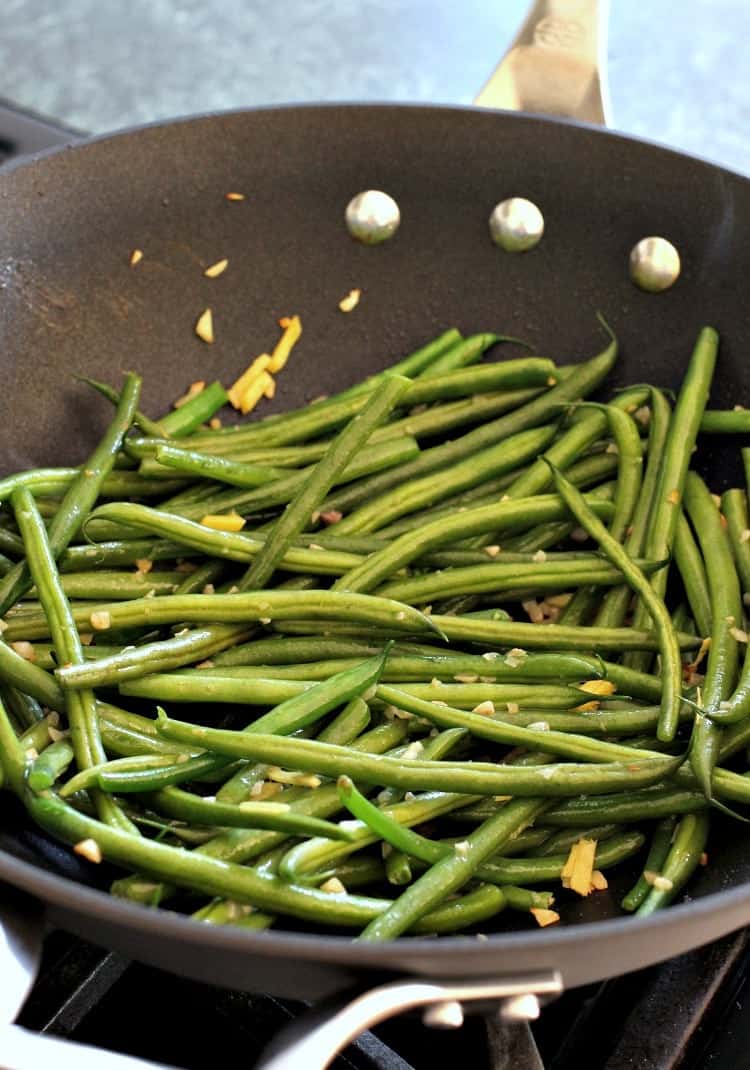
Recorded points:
516,225
372,216
447,1015
654,264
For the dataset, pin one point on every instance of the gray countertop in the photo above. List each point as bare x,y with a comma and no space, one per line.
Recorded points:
677,71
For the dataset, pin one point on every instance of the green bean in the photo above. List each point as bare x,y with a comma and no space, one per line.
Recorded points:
693,574
114,585
199,872
726,615
581,748
317,857
453,870
563,840
345,727
661,842
50,765
461,354
196,410
496,576
30,678
26,710
276,605
551,636
148,426
631,682
725,421
228,912
424,490
117,553
208,466
81,705
675,459
252,497
398,868
671,664
160,656
646,805
510,515
242,845
734,509
14,759
230,545
585,378
681,861
540,870
477,778
298,512
79,497
502,375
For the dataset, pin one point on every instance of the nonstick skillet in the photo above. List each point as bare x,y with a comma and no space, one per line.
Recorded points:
69,302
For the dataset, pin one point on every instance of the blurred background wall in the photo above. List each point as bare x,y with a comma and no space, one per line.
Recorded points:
677,70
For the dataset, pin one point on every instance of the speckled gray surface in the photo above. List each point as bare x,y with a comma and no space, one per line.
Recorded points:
677,70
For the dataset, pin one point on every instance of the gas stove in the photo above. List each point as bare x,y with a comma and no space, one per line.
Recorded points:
692,1012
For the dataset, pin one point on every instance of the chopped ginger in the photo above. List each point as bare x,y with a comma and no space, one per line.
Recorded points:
88,849
238,389
598,687
578,870
292,327
204,328
214,270
598,881
195,388
224,521
545,917
255,391
350,302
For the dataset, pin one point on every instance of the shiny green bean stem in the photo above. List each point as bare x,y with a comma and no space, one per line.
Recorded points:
681,862
230,545
503,516
726,617
80,706
661,842
496,576
671,661
80,495
50,765
242,845
581,748
452,871
675,460
199,872
692,571
275,605
412,494
585,378
298,514
475,778
196,411
160,656
147,425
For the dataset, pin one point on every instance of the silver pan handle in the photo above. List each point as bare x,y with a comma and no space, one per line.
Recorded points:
21,934
315,1038
557,64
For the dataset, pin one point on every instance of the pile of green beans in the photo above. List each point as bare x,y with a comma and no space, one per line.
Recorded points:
472,618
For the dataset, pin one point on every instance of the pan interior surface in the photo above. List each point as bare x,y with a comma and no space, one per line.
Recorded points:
73,304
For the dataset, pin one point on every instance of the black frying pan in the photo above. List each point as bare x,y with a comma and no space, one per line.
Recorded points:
70,302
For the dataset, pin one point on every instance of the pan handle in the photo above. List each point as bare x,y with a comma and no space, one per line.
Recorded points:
21,935
557,64
315,1038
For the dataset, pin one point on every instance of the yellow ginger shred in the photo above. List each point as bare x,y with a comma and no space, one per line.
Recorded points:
256,391
598,687
350,302
204,327
292,328
545,917
214,270
195,388
224,521
238,389
578,870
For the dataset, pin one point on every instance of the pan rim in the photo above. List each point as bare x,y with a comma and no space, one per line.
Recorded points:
63,892
356,107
